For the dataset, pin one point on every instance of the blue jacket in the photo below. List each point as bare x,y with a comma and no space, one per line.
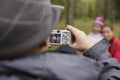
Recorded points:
63,64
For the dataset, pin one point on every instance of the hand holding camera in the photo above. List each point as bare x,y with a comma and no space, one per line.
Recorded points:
62,37
82,42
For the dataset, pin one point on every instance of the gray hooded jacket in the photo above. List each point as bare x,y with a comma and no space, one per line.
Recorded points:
63,64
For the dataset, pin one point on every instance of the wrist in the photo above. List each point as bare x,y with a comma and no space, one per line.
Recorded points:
90,45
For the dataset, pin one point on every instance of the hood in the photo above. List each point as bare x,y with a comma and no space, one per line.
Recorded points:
24,24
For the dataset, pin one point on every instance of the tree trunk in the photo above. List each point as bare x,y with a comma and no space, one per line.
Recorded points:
67,11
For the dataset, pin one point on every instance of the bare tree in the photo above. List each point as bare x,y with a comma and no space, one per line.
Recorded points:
68,4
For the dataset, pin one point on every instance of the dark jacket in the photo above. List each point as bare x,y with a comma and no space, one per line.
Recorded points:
96,64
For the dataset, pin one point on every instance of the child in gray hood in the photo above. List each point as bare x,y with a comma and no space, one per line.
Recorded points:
24,28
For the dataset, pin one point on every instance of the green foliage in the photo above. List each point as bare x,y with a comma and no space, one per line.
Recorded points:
90,8
61,2
117,9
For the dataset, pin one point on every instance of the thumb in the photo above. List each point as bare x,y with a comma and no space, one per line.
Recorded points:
72,29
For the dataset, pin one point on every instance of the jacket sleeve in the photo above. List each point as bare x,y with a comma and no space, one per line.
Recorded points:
99,52
117,55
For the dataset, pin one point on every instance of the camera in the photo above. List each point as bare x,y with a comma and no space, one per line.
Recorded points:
60,37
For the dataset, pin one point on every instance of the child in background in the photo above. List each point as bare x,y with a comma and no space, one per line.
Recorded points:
96,35
114,48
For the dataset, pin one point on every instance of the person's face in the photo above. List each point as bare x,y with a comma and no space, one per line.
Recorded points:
96,28
107,33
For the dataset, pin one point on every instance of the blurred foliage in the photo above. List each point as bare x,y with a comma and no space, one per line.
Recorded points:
117,9
90,9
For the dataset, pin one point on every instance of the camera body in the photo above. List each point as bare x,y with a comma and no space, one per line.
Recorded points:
60,37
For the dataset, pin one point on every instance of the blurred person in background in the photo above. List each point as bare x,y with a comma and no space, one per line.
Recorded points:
109,35
25,26
98,24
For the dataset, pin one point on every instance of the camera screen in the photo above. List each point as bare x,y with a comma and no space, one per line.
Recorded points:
55,38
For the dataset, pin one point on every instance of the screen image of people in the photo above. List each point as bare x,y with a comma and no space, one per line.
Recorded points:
55,38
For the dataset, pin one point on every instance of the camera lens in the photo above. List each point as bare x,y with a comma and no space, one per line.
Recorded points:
58,31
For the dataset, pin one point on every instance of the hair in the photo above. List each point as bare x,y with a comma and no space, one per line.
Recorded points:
109,26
